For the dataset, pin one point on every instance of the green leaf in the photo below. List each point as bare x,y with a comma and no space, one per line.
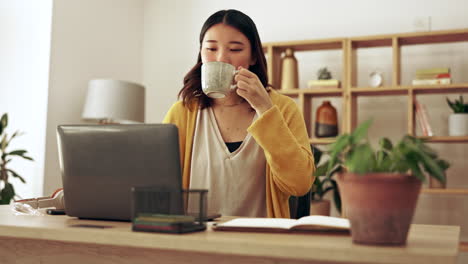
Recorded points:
412,162
361,131
16,175
3,143
18,152
3,122
451,105
385,164
322,169
27,158
385,144
7,193
361,159
336,149
443,164
428,163
383,159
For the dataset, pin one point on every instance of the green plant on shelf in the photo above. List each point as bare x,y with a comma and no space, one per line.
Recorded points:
458,105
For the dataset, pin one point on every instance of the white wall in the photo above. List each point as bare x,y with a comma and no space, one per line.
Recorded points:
24,69
172,29
90,39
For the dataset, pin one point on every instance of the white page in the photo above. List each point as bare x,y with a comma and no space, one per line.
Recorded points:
283,223
320,220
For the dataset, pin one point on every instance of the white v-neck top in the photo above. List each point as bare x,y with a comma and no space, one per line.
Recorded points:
235,181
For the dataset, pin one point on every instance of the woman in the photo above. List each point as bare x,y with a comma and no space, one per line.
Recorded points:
250,149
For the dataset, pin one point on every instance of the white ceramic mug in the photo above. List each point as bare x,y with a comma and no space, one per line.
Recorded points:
217,78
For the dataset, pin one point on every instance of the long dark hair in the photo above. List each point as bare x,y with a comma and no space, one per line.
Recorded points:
192,81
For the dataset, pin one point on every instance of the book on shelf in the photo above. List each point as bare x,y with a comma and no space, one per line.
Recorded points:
439,70
306,223
432,76
331,83
432,81
423,120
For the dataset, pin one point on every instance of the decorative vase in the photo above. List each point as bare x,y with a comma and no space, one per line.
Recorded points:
458,124
379,206
320,207
289,72
326,121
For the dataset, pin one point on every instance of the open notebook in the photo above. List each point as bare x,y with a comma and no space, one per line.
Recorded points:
306,223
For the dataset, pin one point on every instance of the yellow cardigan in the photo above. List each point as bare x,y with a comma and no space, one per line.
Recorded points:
280,132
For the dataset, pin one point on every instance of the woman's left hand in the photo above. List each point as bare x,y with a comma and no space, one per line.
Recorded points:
251,89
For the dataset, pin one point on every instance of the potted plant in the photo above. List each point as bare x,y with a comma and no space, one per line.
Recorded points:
458,121
380,188
7,191
321,186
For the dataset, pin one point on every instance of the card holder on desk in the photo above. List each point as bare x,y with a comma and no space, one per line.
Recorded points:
156,209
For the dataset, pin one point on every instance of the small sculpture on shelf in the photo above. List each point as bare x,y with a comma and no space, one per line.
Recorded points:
326,121
289,71
324,74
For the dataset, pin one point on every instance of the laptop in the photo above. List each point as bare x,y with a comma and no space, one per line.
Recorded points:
100,164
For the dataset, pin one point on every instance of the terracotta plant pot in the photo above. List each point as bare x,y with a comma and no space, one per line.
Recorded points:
380,206
321,207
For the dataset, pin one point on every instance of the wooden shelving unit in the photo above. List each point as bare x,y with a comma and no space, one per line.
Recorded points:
349,92
321,141
445,191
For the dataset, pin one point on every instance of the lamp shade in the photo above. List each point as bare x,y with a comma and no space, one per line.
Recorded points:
115,101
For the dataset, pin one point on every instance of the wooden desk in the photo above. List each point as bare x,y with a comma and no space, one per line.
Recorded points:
56,239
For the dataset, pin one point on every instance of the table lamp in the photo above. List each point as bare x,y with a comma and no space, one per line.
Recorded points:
114,101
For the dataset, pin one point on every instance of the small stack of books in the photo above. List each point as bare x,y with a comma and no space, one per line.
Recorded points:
330,83
432,76
166,223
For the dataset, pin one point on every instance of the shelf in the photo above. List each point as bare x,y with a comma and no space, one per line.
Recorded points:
322,141
442,36
444,191
315,92
404,89
433,37
309,45
444,139
438,89
371,91
366,42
